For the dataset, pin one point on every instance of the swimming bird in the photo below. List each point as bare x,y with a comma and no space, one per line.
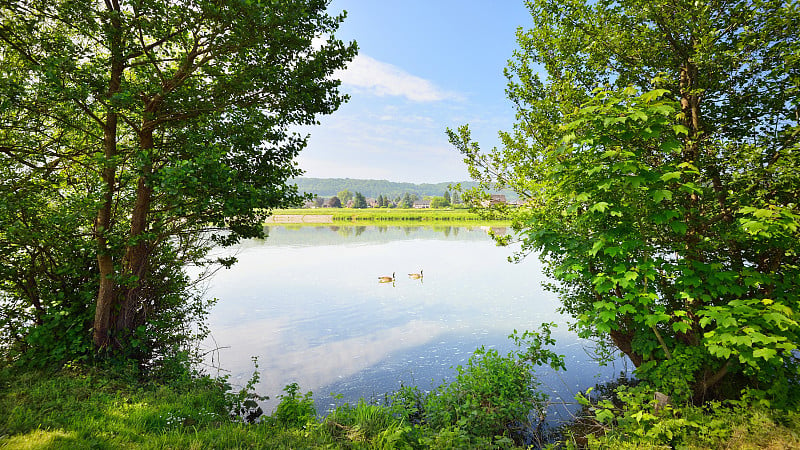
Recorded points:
416,275
386,279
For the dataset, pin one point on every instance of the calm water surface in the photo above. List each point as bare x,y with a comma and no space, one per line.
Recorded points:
307,302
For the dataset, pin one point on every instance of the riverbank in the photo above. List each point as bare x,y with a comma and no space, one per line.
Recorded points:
380,215
298,218
90,408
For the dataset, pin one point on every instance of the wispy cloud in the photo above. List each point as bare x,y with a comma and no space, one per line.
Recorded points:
383,79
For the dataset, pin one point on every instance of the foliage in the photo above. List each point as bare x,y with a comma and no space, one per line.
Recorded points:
334,202
359,201
79,407
243,404
130,134
659,163
367,423
440,202
406,202
633,417
294,410
491,397
328,187
344,195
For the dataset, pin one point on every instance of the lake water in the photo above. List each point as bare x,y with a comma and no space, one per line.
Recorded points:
308,303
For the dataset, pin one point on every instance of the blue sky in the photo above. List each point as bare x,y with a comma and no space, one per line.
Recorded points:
423,66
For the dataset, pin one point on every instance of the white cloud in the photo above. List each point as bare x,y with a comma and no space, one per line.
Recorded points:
382,79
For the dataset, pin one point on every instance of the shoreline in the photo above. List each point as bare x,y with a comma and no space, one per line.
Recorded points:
299,218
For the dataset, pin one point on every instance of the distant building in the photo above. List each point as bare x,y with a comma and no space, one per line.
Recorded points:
420,204
372,203
494,199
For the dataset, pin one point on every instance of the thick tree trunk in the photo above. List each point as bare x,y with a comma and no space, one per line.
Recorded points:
105,262
623,342
136,262
102,226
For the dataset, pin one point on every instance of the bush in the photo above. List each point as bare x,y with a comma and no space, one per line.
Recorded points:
492,398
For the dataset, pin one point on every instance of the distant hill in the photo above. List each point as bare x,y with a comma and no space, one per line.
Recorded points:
328,187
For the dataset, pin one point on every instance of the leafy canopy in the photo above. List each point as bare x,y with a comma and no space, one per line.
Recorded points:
133,130
659,163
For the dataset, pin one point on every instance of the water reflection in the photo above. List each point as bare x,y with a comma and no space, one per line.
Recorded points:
308,303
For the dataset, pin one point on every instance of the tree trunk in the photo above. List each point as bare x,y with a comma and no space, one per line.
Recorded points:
105,262
623,342
137,254
102,226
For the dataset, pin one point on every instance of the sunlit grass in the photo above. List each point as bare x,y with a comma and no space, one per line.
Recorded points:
387,214
88,408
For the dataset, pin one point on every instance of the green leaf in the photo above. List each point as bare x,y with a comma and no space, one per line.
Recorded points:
596,247
662,194
613,120
664,110
678,227
719,351
608,316
680,129
671,146
605,416
638,115
671,176
681,327
649,96
766,353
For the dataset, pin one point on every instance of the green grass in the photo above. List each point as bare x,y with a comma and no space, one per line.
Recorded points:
89,408
393,215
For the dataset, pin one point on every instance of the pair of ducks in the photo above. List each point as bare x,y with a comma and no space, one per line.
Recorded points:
391,278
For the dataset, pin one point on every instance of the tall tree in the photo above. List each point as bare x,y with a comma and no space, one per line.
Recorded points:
659,163
406,201
334,202
172,117
359,201
345,195
439,202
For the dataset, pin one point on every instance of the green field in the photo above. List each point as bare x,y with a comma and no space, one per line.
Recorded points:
400,215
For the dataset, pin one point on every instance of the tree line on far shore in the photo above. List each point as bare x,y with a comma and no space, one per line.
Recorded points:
347,199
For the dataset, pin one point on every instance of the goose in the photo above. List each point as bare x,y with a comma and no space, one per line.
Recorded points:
386,279
416,275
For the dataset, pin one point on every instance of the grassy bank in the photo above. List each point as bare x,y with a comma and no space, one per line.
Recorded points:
484,407
87,408
396,215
